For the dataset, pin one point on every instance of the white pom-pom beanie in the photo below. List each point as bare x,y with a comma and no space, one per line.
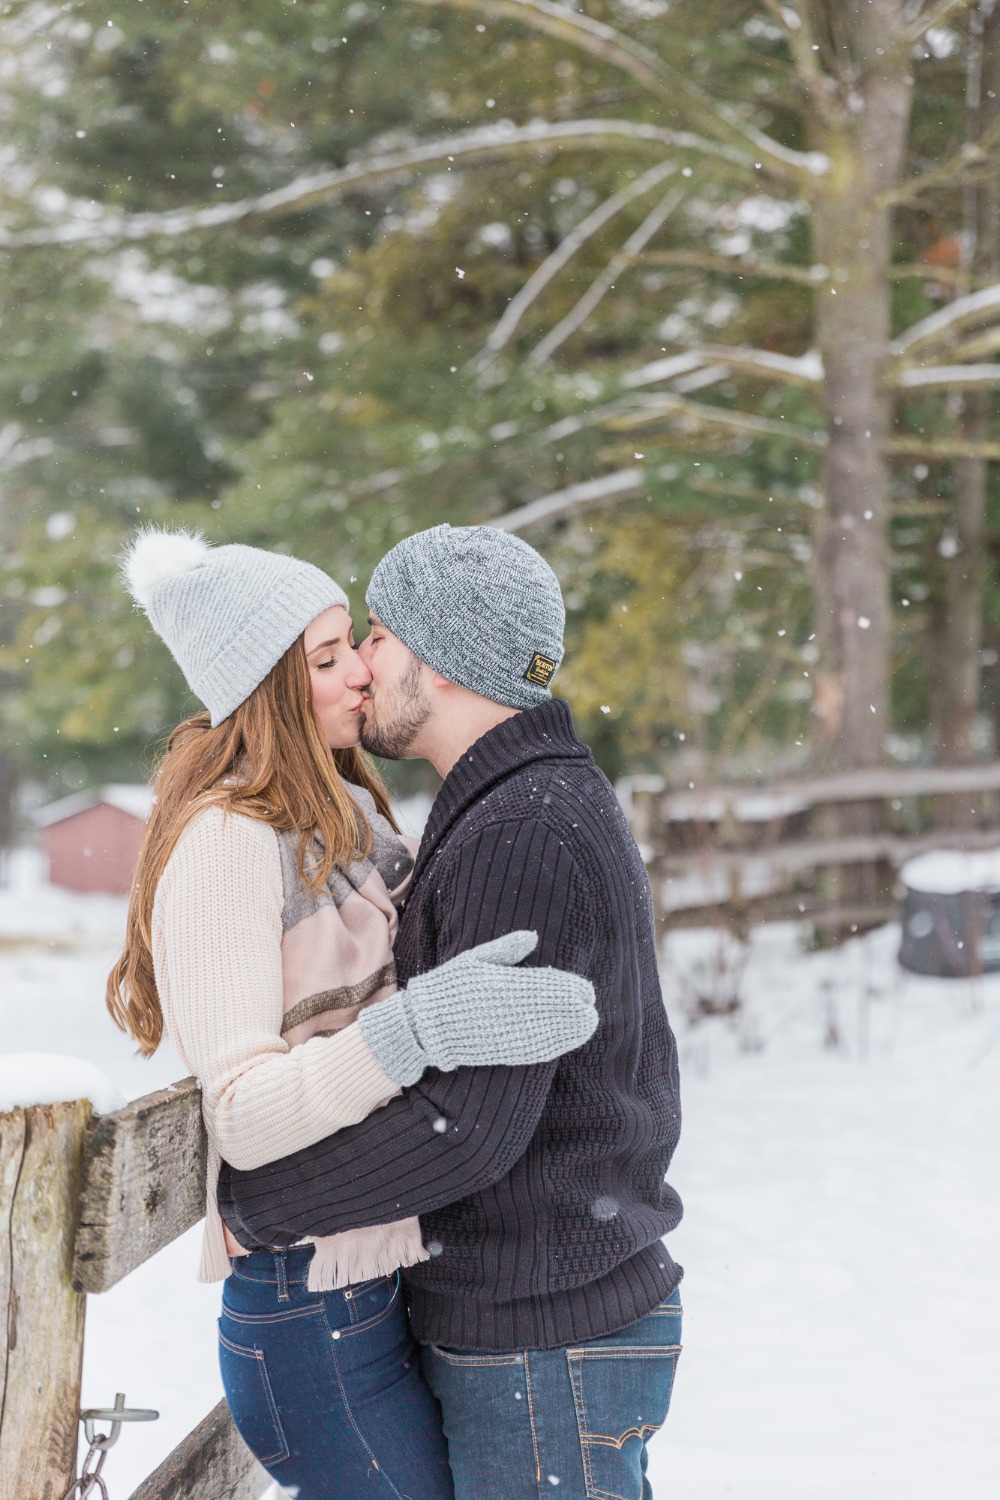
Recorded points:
228,614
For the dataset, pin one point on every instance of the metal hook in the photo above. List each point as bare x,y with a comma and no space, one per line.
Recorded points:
116,1415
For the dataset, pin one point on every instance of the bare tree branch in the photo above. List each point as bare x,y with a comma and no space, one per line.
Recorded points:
700,260
953,377
603,283
818,86
661,369
805,370
648,68
936,15
574,498
921,447
973,156
563,253
652,408
974,348
943,327
484,144
727,265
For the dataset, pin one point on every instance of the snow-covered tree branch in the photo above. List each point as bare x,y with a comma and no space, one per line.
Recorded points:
561,256
602,284
942,328
619,485
649,69
490,142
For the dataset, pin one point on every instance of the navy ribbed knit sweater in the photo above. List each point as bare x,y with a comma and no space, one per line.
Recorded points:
541,1190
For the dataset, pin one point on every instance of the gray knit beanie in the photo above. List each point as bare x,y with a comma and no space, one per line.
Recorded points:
228,614
479,606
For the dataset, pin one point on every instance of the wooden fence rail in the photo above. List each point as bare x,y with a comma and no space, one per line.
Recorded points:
824,848
83,1201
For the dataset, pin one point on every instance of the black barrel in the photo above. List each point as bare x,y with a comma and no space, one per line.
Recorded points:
950,921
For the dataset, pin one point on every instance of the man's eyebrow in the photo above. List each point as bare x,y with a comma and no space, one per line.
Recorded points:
375,622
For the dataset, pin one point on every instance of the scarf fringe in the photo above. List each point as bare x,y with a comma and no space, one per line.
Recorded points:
362,1254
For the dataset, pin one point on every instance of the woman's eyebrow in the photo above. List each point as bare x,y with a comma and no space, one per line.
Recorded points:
334,641
323,645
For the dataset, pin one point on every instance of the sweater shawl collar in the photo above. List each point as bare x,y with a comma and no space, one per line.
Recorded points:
535,734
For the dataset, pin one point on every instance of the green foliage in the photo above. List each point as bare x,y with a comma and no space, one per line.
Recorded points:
303,379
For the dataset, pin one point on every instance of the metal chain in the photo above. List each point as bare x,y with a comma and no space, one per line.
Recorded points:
89,1479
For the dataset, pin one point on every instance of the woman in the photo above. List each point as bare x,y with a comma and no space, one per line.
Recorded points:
260,936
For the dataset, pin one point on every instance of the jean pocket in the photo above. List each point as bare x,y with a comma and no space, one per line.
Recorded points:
251,1400
622,1395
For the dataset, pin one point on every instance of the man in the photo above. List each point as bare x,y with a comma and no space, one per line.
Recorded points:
548,1309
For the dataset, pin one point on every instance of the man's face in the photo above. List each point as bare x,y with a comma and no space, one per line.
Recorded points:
396,705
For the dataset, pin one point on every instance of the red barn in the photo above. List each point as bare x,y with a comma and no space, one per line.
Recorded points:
92,838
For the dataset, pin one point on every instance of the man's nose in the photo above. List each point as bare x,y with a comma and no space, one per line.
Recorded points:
364,651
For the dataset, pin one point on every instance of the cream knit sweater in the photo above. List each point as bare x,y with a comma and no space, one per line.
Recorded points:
218,943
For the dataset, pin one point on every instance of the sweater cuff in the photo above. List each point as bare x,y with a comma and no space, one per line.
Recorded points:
392,1042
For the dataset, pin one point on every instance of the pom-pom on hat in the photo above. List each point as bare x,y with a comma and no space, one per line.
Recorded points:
479,606
227,614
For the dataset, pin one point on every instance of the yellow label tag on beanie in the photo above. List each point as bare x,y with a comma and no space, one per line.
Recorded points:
541,669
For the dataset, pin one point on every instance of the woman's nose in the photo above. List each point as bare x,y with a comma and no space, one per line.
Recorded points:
359,675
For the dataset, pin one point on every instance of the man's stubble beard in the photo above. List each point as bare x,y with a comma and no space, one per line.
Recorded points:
405,710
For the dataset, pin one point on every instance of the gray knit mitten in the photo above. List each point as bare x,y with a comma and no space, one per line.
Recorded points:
478,1010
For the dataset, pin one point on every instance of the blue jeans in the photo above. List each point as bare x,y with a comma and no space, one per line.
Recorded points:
325,1387
569,1422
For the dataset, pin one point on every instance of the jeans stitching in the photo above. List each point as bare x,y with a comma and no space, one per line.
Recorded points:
531,1417
374,1320
360,1288
575,1359
576,1385
632,1351
314,1309
350,1416
279,1431
475,1361
605,1440
253,1320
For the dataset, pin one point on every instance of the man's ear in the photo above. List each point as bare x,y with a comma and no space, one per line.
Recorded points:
443,684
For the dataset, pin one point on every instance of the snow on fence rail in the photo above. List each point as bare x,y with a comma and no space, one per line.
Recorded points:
85,1199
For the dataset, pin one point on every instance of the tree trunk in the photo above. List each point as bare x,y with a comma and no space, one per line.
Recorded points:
866,144
958,622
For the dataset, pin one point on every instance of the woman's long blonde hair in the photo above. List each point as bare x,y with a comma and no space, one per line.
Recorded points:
267,760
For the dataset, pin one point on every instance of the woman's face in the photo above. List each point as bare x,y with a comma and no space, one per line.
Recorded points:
338,677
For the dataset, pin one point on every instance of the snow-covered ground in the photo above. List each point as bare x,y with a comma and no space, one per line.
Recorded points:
838,1166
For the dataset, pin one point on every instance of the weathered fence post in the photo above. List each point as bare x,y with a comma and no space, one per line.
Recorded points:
41,1316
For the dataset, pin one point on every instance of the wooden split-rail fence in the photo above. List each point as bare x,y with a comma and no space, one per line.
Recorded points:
84,1200
822,849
